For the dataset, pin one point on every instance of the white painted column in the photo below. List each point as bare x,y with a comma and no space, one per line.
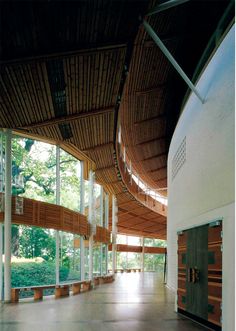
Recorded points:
1,262
82,208
114,233
58,201
91,221
1,225
101,223
7,218
126,255
107,225
142,256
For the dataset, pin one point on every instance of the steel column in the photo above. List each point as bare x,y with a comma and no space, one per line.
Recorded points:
165,6
82,212
7,218
91,221
114,232
142,256
58,198
1,225
107,225
163,48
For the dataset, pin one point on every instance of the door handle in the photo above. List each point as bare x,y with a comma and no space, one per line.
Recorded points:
193,275
190,275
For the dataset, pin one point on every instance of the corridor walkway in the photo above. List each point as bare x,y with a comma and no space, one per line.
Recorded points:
134,302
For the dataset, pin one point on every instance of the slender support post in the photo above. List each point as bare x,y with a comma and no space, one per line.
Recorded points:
58,201
7,218
82,262
101,207
57,257
102,224
106,259
142,256
126,256
1,262
107,225
165,263
163,48
165,6
1,226
91,220
114,232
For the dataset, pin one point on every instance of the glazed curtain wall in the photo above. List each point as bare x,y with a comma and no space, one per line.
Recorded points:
33,252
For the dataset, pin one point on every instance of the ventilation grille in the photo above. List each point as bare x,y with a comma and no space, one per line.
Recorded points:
66,131
179,158
57,85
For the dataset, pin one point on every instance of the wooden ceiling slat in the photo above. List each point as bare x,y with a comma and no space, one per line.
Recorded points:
93,79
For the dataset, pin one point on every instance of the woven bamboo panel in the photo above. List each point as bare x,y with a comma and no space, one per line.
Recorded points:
37,213
102,235
154,250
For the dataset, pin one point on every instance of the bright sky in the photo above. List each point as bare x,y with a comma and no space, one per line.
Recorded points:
149,192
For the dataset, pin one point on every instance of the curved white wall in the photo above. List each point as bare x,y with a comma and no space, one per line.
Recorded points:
203,189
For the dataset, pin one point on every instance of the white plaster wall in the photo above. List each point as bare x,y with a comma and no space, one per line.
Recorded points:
203,189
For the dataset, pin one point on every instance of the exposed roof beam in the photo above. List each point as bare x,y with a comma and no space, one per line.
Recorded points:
143,219
69,118
113,182
159,179
97,147
152,89
125,202
86,50
131,212
150,119
153,157
122,213
150,141
166,5
174,63
104,169
158,169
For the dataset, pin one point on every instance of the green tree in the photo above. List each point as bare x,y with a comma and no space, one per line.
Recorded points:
37,242
34,176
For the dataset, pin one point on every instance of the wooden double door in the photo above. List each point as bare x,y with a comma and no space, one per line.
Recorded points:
200,274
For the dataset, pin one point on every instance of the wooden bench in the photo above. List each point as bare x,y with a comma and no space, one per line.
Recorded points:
116,270
133,269
61,290
107,279
38,291
98,280
76,287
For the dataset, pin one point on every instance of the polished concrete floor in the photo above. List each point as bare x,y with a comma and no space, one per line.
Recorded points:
134,302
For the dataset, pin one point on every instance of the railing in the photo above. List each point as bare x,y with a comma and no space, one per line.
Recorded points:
51,216
138,249
134,188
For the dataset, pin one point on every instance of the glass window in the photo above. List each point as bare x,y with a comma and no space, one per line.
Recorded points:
104,259
154,262
33,169
70,181
69,257
97,259
154,242
121,239
97,203
86,259
33,257
86,196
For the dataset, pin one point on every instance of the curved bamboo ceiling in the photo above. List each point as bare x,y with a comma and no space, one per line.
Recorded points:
71,71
